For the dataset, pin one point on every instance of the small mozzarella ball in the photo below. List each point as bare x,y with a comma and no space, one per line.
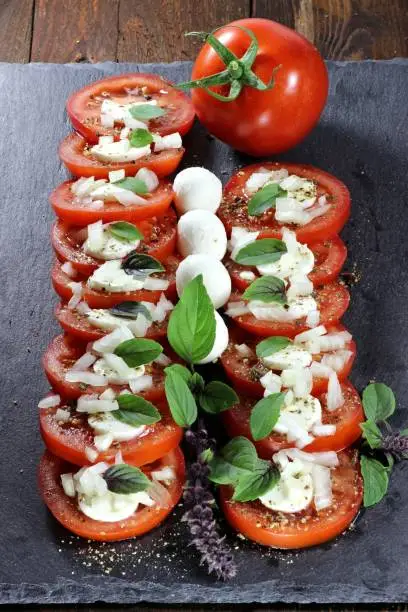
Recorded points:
221,340
197,188
216,279
200,231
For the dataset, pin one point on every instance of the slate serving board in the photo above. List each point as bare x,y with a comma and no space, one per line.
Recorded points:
362,139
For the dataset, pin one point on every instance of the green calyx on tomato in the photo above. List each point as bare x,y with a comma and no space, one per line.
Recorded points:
238,71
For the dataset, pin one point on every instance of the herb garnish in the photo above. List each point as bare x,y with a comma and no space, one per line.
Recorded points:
130,310
140,138
138,351
125,479
144,112
266,289
140,265
264,251
135,410
265,198
125,232
271,345
132,184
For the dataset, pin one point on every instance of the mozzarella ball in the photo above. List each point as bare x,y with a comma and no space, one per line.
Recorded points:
216,279
200,231
221,340
197,188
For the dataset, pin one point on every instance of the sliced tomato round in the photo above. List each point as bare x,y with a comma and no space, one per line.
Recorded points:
303,529
67,208
244,371
62,353
69,440
332,300
100,299
84,106
159,241
77,324
347,420
330,256
66,511
76,155
234,206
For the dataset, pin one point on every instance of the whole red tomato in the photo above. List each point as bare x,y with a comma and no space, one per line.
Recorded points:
261,122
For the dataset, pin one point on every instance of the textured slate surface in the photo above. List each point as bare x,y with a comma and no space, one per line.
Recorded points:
362,139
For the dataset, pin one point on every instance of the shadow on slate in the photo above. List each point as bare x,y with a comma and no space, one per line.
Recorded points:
362,139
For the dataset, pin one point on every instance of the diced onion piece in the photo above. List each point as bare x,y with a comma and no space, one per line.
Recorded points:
320,371
62,416
69,269
243,350
108,394
160,310
165,474
236,309
118,458
87,378
327,458
93,405
271,382
96,204
155,284
159,494
336,361
335,397
323,430
82,308
108,343
163,360
310,334
105,140
247,275
67,482
116,175
149,178
323,496
313,318
76,289
171,141
103,442
83,363
240,237
295,433
141,383
50,401
91,454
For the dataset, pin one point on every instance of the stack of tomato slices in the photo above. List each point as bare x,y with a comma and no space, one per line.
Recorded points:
66,431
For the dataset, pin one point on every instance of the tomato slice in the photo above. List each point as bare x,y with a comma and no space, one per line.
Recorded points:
99,299
66,207
160,234
75,153
67,513
84,106
244,371
332,299
306,528
69,440
62,353
77,324
330,256
234,207
347,420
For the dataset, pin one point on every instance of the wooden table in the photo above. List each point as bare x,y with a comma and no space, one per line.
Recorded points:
152,30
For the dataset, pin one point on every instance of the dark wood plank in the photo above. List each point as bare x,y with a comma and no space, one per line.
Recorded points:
75,30
154,31
345,29
16,18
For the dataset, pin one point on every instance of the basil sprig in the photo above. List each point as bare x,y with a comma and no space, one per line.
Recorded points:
130,310
265,198
265,414
125,479
382,446
133,184
271,345
266,289
264,251
138,351
140,138
238,465
135,410
145,112
125,232
140,265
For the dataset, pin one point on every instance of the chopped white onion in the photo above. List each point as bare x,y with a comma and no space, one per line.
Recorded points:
165,474
335,397
323,430
236,309
91,454
322,486
327,458
50,401
118,458
83,363
313,318
108,394
155,284
108,343
116,175
76,289
62,416
159,494
160,310
141,383
91,405
243,350
103,442
69,269
67,481
163,360
96,204
82,308
320,371
310,334
336,361
87,378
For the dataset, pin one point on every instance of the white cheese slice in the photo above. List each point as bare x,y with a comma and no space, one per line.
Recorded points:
294,491
291,356
106,423
119,151
298,308
105,246
111,277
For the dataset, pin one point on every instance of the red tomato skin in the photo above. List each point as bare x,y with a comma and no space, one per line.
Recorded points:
69,442
182,116
264,123
77,325
333,251
65,511
68,248
347,431
319,229
72,153
255,522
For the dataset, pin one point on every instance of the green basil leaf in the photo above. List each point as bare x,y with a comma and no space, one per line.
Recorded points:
236,458
266,289
138,351
265,414
182,404
371,433
140,138
271,345
130,310
265,198
191,328
126,479
264,251
135,410
196,383
207,455
140,265
180,370
144,112
133,184
124,231
375,476
251,486
217,396
378,402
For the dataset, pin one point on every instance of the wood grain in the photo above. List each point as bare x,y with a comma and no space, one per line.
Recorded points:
75,30
154,31
345,29
16,18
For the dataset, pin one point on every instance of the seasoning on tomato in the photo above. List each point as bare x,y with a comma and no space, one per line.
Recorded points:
258,86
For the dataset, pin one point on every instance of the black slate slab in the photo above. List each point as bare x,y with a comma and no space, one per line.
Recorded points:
361,138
